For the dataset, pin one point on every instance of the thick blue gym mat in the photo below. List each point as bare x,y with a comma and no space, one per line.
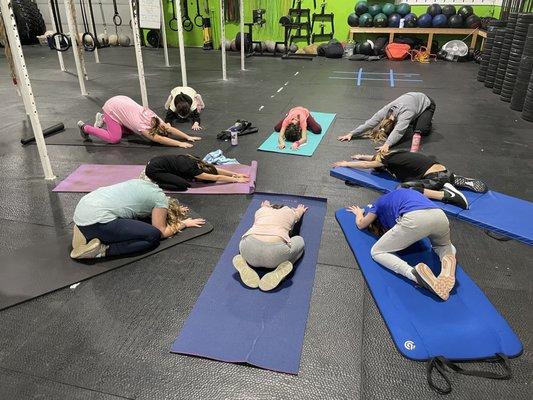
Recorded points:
313,140
494,211
465,327
233,323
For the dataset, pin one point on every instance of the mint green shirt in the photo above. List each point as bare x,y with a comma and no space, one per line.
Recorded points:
132,199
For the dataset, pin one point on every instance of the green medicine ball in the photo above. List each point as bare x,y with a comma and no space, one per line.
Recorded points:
365,20
374,9
389,9
381,21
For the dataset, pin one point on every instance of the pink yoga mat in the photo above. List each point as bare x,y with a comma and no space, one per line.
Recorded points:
89,177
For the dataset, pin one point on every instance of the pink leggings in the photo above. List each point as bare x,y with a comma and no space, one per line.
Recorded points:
113,132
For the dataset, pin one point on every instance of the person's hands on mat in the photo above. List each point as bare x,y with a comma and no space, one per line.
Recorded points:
295,146
240,179
383,149
184,145
241,175
362,157
357,211
265,203
300,210
345,138
340,164
281,145
196,127
193,222
193,138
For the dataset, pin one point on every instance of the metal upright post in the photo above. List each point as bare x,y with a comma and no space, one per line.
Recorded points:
223,40
54,28
164,34
69,5
183,65
241,11
93,23
25,85
138,52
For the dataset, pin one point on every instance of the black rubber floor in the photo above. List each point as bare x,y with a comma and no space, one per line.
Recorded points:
109,338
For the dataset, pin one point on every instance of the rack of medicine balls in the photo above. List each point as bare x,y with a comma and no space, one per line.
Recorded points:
400,15
507,61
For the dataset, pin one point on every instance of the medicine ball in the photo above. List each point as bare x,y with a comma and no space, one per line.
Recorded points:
394,20
455,21
365,20
403,9
113,40
153,38
374,9
381,21
449,10
247,42
293,48
424,21
124,40
270,46
103,39
361,8
367,48
389,9
353,20
465,12
440,21
410,20
280,47
473,21
434,9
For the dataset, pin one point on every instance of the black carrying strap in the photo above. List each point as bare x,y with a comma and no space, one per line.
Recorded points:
439,365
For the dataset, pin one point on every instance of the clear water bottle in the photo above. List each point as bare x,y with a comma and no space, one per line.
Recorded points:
402,23
234,137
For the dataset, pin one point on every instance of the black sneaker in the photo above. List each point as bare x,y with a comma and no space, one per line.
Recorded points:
454,196
471,184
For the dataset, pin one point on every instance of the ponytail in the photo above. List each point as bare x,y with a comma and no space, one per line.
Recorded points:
157,128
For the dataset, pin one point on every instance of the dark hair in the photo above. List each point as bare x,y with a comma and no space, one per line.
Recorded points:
204,167
183,104
293,132
277,206
376,228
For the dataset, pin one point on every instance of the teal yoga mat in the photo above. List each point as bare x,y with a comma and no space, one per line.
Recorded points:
324,119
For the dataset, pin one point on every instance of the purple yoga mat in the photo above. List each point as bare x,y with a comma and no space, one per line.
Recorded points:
89,177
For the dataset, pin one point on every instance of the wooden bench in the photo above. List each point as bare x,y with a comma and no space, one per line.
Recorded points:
473,32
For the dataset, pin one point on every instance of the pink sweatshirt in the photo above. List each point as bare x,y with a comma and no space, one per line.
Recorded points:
273,222
302,112
129,114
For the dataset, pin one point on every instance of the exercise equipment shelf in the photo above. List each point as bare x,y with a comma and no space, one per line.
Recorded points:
422,31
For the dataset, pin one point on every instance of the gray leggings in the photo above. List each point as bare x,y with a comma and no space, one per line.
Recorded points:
410,228
269,255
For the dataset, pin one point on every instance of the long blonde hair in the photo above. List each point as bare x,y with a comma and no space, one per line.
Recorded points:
176,212
382,131
157,128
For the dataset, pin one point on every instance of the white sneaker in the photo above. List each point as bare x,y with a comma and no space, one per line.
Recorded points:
83,134
272,279
93,249
98,120
248,275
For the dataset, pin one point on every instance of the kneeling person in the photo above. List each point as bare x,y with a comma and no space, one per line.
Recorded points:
294,126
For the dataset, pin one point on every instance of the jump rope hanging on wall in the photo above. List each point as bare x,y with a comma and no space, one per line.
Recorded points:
58,41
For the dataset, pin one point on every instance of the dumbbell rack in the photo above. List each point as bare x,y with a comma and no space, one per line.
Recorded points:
300,20
323,18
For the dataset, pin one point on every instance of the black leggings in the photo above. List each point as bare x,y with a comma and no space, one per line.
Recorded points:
165,180
422,124
432,181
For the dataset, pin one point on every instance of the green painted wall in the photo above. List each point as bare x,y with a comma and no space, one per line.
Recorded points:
276,8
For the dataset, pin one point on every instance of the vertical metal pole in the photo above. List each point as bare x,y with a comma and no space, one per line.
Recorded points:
54,28
164,33
138,52
183,66
74,40
241,11
93,23
223,40
25,85
103,17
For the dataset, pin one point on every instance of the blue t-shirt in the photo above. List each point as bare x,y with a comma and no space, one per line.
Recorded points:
391,206
132,199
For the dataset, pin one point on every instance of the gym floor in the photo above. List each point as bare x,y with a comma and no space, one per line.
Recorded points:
109,338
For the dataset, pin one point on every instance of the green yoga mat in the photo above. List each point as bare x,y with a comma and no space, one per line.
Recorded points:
324,119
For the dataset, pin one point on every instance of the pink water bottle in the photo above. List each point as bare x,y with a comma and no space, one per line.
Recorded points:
415,143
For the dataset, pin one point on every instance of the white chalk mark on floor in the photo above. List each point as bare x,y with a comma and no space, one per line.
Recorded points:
75,285
260,108
296,73
280,89
272,96
286,83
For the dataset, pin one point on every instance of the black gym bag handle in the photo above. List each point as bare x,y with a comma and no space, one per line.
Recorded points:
440,363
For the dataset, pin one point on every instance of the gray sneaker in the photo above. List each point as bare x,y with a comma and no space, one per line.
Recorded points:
84,136
272,279
93,249
99,120
248,275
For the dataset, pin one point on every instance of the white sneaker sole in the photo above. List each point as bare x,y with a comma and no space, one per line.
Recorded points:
272,279
438,286
447,275
248,276
89,250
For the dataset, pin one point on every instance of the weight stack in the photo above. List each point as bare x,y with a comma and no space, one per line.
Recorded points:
494,57
515,55
524,73
527,111
504,55
487,49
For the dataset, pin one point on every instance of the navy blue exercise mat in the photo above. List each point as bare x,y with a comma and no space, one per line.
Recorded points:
233,323
466,327
494,211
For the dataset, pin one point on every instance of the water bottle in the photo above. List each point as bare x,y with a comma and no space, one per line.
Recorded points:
402,22
234,137
415,143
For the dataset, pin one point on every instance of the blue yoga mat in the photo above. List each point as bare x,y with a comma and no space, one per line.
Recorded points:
465,327
494,211
233,323
324,120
